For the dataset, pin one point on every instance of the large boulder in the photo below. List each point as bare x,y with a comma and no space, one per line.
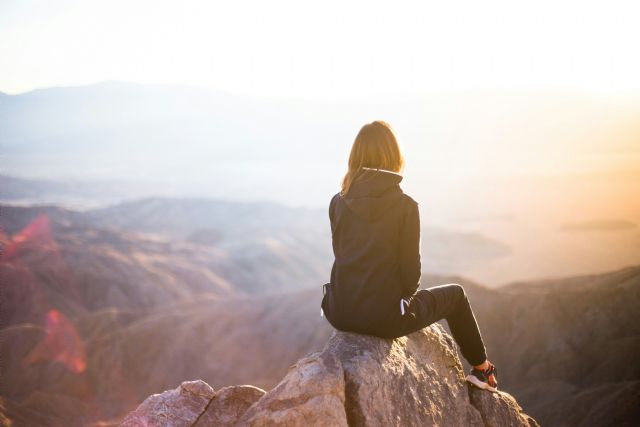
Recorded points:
356,380
194,403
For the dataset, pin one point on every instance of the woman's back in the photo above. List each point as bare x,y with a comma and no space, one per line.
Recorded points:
375,234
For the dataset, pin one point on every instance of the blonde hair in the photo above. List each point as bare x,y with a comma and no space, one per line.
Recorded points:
375,146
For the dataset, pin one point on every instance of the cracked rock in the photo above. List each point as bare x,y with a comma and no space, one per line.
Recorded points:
356,380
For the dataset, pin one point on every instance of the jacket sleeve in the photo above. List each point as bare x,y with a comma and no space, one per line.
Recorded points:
410,265
331,207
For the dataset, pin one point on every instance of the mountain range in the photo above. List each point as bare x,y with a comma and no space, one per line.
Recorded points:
544,182
103,308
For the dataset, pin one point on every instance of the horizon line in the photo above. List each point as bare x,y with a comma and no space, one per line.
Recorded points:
441,89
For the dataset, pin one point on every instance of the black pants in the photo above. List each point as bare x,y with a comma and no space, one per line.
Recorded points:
448,302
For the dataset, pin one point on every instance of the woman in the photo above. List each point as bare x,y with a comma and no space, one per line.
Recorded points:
375,230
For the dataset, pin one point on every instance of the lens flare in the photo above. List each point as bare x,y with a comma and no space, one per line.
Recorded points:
61,344
37,231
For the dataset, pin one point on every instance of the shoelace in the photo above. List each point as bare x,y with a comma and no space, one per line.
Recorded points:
491,370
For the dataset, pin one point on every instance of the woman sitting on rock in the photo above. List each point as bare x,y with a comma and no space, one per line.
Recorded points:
375,277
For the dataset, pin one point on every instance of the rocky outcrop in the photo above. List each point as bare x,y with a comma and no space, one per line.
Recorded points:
194,403
356,380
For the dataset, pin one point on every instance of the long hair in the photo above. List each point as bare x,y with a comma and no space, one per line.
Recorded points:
375,146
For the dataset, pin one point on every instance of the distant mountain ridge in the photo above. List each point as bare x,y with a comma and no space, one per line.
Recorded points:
97,316
268,232
567,346
192,137
209,336
71,193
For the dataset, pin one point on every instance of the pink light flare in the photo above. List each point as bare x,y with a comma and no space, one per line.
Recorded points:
62,343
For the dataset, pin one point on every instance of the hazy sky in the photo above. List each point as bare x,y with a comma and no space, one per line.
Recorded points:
324,48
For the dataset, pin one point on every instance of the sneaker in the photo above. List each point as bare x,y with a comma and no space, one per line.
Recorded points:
480,378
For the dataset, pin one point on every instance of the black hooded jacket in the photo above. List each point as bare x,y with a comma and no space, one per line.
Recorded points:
376,242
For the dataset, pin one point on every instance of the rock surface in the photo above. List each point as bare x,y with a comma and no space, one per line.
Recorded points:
229,404
179,407
356,380
194,403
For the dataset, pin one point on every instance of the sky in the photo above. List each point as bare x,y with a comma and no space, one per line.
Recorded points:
321,49
543,131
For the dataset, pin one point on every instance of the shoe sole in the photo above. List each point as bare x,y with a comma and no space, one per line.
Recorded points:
476,382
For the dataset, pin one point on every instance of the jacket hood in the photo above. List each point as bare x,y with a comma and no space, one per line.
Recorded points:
373,193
